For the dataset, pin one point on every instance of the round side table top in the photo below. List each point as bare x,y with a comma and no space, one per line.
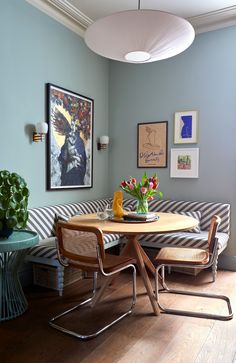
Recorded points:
19,240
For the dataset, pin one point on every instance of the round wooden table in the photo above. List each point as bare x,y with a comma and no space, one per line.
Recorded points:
167,223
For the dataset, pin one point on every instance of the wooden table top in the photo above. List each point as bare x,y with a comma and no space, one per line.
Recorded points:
167,222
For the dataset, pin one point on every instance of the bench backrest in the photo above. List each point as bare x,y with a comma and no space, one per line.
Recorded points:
43,219
207,209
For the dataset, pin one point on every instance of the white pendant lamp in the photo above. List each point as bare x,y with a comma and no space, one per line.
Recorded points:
139,36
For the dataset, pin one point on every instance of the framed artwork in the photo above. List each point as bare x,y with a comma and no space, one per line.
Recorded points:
152,145
185,127
184,163
70,139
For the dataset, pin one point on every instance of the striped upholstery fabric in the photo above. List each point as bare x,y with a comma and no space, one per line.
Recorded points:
93,205
187,239
129,204
43,221
207,209
183,239
45,251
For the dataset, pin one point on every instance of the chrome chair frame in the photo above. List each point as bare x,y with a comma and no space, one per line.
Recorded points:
90,299
166,289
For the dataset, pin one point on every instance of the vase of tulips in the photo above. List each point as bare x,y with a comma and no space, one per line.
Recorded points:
144,190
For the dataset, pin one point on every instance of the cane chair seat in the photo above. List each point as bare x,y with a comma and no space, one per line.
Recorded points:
177,255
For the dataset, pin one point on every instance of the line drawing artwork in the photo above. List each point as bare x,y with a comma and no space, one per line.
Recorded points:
151,135
152,144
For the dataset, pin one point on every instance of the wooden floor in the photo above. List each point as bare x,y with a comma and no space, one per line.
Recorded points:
140,338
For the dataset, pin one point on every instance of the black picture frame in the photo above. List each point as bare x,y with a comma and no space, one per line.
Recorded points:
70,118
152,144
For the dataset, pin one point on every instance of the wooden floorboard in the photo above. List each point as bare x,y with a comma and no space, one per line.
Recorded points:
140,338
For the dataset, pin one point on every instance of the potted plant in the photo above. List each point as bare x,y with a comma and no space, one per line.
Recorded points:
13,203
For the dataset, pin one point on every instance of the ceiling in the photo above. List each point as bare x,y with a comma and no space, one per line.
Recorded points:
204,15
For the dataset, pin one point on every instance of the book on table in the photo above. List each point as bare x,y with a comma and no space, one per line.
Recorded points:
141,217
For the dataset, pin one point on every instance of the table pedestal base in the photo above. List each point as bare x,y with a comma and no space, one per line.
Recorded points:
133,248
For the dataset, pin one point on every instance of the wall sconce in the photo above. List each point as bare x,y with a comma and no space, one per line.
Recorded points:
103,142
41,129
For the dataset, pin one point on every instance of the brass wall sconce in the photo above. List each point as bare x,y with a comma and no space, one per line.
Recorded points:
103,142
41,129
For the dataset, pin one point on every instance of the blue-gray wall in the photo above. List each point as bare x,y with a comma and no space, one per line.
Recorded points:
203,78
36,49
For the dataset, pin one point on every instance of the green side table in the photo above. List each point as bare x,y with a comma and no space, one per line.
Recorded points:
12,251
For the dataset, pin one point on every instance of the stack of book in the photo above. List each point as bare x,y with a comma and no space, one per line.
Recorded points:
145,217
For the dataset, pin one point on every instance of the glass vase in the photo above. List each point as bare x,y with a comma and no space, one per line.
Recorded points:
142,206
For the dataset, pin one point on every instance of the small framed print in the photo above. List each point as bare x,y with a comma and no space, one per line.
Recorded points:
152,144
184,163
185,127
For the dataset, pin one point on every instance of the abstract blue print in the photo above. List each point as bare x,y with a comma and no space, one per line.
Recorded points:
186,131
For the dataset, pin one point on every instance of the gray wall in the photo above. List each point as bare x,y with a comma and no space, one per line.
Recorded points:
35,50
203,78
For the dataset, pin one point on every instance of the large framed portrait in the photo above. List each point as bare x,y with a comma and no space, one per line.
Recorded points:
152,145
70,139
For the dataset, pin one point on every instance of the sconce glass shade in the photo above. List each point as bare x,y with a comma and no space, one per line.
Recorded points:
41,128
104,140
139,36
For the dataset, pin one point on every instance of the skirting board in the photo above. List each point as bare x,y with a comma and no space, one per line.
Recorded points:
227,262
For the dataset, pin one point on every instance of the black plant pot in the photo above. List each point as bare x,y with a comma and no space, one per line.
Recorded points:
6,231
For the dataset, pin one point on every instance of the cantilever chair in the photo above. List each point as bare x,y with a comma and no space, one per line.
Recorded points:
83,248
191,258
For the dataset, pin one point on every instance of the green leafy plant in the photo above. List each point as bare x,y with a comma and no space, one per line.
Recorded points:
14,196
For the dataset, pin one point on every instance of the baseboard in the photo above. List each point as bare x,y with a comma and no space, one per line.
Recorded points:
227,262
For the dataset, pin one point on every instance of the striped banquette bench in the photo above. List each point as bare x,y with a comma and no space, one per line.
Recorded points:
44,256
43,221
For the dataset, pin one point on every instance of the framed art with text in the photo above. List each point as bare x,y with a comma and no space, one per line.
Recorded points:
185,127
184,163
152,145
70,139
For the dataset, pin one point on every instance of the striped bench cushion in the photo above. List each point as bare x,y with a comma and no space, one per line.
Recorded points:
183,239
43,219
47,249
